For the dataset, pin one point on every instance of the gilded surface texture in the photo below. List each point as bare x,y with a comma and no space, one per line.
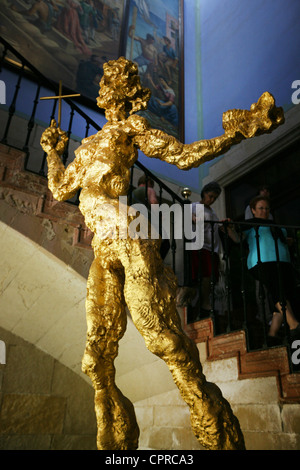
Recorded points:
129,270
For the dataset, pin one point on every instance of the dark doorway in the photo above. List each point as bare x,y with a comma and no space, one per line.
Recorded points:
282,174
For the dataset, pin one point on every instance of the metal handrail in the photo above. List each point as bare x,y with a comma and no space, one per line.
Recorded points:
240,295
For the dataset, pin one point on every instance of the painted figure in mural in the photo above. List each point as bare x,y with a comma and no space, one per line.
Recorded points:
87,14
69,25
40,13
167,59
128,270
164,107
149,54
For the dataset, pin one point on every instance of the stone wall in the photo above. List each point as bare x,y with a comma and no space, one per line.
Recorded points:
43,404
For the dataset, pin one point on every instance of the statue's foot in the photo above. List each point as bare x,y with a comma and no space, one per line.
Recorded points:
213,422
116,421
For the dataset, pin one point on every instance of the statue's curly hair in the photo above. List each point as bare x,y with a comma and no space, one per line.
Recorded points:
121,91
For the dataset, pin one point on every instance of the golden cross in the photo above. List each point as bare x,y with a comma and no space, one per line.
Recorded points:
59,97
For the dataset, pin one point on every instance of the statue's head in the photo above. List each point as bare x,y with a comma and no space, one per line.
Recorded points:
121,92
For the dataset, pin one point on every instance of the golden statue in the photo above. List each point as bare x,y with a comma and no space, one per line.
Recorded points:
128,270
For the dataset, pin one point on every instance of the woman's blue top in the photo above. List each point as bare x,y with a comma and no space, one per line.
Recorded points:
266,246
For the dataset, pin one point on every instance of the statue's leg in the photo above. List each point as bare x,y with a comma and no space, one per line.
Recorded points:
150,292
106,324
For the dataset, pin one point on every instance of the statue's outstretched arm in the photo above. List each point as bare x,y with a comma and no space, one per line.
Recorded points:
63,182
263,117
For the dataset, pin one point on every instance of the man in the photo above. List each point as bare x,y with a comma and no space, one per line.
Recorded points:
168,59
149,55
129,269
139,194
45,12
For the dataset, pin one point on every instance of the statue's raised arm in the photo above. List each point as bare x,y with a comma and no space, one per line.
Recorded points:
121,94
263,117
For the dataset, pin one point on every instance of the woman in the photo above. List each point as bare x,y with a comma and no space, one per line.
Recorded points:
267,272
165,107
205,262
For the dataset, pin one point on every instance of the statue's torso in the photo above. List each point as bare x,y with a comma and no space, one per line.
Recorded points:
105,160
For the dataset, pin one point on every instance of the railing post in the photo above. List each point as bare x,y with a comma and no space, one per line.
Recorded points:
66,152
160,194
42,169
31,124
3,56
283,303
261,287
227,278
212,277
131,186
173,242
87,128
282,299
243,288
146,192
187,265
12,107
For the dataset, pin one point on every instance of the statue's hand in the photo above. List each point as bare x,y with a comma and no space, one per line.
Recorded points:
263,117
54,138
